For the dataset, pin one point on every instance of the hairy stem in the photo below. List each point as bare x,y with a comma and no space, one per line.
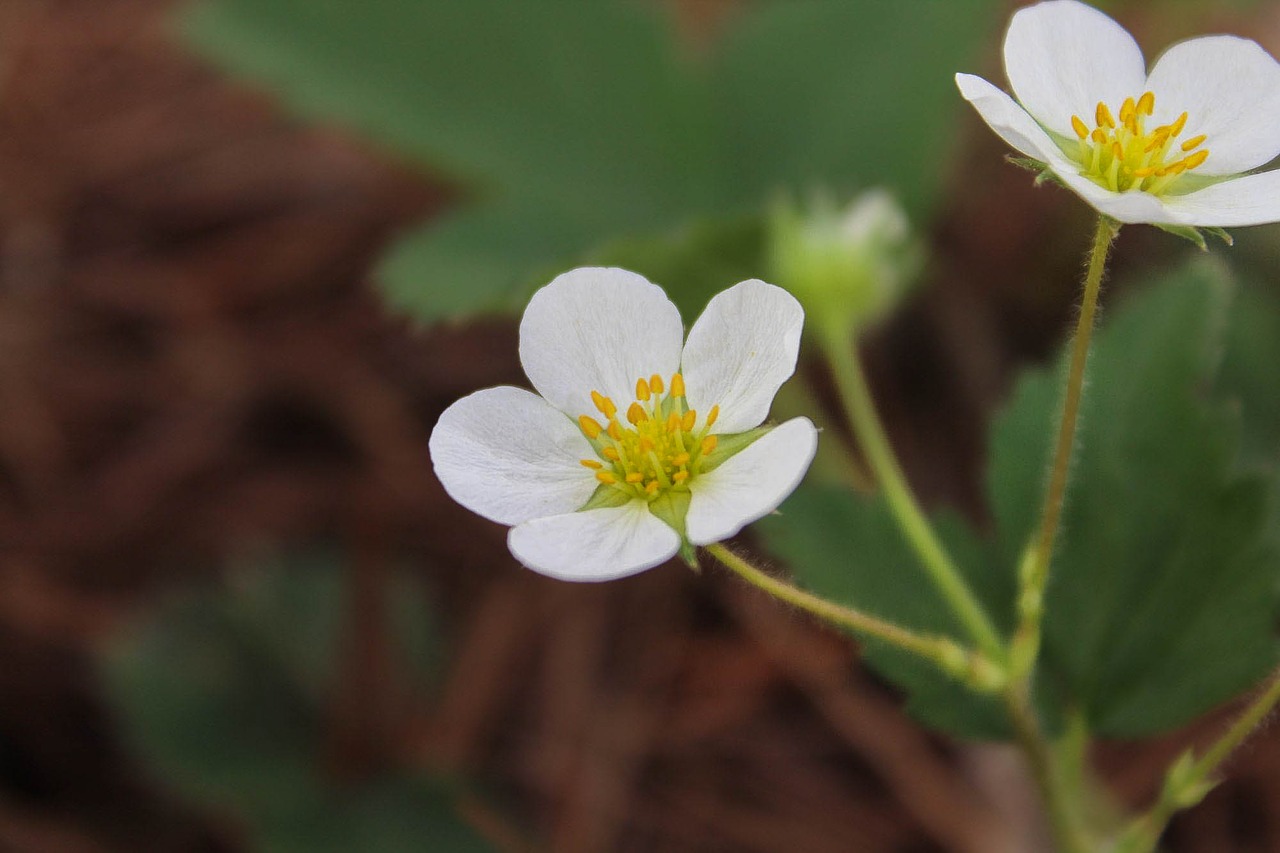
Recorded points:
855,395
945,653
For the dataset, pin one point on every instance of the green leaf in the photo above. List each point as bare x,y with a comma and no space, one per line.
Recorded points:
579,124
1163,591
224,690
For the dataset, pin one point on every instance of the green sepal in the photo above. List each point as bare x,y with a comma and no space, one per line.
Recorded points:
605,497
1028,163
1196,234
730,445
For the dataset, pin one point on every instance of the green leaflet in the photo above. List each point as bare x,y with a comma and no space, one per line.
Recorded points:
575,124
226,692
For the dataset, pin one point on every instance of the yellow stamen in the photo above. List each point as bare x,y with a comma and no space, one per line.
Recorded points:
591,463
1127,110
679,476
1099,137
1177,126
1081,129
709,444
1147,103
712,416
590,426
655,384
615,430
636,413
646,445
682,459
606,477
635,477
690,418
651,487
1193,142
611,453
673,422
677,385
1102,116
642,392
1197,158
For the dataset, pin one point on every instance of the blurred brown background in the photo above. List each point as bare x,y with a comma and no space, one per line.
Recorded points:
192,363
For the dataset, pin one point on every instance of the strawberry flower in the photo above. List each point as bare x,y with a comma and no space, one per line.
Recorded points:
638,444
1173,147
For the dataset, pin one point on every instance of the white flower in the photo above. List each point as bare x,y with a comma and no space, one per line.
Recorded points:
640,441
1168,148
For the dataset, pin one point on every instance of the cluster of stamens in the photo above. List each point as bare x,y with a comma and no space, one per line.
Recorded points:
660,446
1123,155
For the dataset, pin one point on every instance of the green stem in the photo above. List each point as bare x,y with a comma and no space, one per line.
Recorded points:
1185,789
1035,573
947,654
1054,787
855,395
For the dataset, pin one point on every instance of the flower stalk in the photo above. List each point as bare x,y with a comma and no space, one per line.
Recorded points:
1034,573
855,396
966,665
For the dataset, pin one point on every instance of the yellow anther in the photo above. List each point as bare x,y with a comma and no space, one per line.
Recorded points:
1103,116
1081,129
1158,139
636,413
679,476
615,430
591,463
589,425
651,487
646,445
1099,137
635,477
1193,142
709,444
1147,103
1145,172
606,477
712,416
1127,110
642,393
681,459
1177,126
690,418
1117,151
655,384
611,453
673,422
677,385
1197,158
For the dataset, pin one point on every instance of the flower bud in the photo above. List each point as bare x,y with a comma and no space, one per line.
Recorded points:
849,268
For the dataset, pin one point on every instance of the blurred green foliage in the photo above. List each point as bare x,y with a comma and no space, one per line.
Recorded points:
1163,596
577,123
225,690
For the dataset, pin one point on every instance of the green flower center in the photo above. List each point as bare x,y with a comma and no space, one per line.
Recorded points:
1123,155
660,448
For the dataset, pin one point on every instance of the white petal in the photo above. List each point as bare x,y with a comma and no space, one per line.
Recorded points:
1063,57
1006,117
1251,200
1230,90
1132,207
741,350
597,545
508,455
751,484
598,329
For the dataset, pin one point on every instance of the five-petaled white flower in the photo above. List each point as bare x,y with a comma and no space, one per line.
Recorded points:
640,442
1168,148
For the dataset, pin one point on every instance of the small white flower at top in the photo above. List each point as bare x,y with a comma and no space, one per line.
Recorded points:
1173,147
641,444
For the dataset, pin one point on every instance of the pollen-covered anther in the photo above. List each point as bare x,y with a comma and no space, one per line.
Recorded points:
1124,155
659,446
